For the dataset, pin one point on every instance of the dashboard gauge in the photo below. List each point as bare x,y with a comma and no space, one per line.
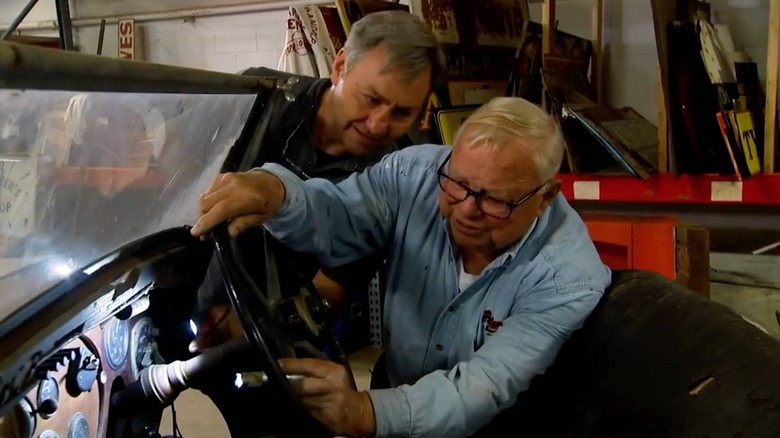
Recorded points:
116,342
144,345
22,418
48,433
79,427
48,397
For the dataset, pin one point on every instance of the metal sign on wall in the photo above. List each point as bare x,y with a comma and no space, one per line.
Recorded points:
126,38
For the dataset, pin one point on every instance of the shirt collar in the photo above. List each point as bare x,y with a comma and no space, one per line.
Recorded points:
512,251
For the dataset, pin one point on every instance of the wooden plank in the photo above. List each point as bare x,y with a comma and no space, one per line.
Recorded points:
664,12
772,72
548,38
597,40
693,258
663,128
548,26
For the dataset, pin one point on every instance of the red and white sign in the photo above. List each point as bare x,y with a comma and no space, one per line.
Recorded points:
126,36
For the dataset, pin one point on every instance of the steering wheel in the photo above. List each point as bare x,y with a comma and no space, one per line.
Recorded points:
277,324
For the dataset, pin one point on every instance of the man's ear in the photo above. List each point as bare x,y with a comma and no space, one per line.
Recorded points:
339,67
552,190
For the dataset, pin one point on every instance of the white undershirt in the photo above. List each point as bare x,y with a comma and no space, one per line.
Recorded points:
464,278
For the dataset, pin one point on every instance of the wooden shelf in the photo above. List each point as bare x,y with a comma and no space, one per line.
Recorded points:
772,72
761,189
666,188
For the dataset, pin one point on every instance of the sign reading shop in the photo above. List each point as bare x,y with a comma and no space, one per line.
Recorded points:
18,180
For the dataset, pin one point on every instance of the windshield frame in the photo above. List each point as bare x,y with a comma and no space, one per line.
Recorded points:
38,68
27,67
35,68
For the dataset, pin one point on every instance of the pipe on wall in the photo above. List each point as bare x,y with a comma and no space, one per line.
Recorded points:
32,26
19,18
172,15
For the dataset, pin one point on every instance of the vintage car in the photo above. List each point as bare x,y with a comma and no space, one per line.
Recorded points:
101,165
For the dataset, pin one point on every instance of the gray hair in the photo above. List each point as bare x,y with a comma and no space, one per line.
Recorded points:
503,121
410,43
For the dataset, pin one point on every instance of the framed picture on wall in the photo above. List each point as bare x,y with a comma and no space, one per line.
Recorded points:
449,120
351,11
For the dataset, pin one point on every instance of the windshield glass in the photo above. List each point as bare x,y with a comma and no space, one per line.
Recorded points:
84,173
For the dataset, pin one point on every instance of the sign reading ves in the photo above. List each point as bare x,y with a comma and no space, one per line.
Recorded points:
126,36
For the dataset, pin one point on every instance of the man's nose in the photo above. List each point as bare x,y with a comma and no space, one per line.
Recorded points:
469,207
378,122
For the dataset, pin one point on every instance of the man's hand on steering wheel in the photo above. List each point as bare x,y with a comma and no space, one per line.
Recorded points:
326,391
242,199
278,325
325,388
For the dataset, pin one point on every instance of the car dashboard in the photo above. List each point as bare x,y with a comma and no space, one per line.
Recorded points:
75,382
95,338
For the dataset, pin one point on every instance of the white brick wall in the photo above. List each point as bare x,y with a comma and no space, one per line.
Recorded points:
42,11
223,43
102,8
231,43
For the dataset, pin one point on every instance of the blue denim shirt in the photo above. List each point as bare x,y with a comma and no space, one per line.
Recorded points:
455,358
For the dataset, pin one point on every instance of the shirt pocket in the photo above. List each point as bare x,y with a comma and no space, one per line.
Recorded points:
479,335
484,328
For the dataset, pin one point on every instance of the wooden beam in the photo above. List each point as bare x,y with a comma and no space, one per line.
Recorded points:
693,258
548,39
772,72
548,26
664,12
597,40
663,128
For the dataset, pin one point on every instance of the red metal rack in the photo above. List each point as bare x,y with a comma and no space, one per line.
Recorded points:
666,188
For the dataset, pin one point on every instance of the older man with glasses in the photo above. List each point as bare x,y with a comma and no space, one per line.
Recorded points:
490,269
336,126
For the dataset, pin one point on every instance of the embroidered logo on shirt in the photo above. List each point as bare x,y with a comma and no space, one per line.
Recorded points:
491,325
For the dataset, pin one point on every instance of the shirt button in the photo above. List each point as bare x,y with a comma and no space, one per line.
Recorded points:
439,347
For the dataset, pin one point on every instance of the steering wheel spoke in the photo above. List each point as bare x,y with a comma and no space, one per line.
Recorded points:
277,324
273,285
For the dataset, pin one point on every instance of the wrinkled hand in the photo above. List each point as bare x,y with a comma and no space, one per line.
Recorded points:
243,199
326,391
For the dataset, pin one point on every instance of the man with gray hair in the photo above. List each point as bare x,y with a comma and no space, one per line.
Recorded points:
339,125
489,268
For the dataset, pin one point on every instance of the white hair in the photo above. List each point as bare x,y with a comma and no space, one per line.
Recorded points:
513,122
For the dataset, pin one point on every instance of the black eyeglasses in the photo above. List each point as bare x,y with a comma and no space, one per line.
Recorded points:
492,207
